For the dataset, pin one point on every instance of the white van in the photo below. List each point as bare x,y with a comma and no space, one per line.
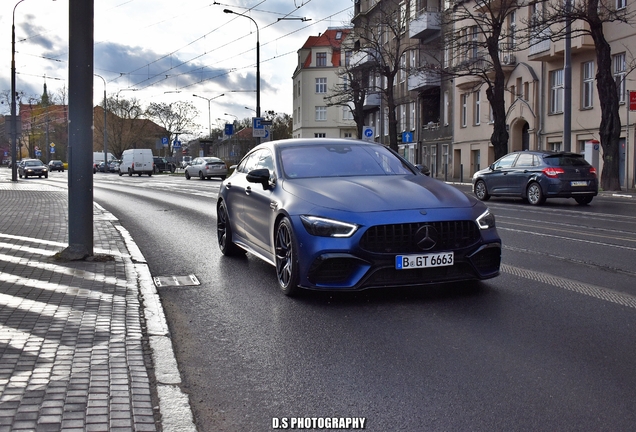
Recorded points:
136,161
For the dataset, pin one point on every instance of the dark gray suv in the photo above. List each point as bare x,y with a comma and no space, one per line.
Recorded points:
538,175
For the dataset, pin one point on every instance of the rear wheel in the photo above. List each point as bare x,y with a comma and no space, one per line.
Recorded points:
286,258
224,232
201,176
583,200
222,177
534,194
129,172
481,192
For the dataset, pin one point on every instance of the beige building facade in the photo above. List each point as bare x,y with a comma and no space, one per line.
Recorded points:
319,61
451,119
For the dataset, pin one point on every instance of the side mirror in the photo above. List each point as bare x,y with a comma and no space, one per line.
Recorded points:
423,169
259,176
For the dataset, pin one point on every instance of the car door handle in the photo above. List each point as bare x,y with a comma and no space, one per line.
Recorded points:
248,190
228,185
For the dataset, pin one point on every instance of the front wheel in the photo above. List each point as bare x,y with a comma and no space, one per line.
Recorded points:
224,232
129,172
187,175
286,258
534,194
120,173
584,200
481,192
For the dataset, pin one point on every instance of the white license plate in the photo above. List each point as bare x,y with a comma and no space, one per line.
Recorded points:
407,262
578,183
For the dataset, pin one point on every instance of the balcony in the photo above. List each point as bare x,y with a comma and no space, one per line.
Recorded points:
365,57
372,101
424,81
426,25
542,49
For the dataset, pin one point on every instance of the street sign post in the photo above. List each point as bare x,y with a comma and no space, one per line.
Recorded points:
368,133
229,129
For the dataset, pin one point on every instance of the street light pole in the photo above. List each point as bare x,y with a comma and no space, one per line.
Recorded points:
209,111
14,128
105,133
258,60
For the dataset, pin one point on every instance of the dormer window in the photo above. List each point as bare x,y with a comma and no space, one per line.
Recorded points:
338,35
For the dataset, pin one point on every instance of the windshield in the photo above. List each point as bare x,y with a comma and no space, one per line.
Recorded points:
33,163
341,160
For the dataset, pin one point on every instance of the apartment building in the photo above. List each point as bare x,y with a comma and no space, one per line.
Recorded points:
450,120
319,61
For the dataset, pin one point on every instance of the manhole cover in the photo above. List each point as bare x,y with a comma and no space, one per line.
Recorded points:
189,280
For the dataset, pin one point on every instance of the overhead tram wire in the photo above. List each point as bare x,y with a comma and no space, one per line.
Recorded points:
240,54
210,51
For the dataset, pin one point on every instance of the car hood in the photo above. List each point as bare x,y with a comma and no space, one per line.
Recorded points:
378,193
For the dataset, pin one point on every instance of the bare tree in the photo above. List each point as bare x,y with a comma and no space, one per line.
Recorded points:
126,126
382,40
350,92
476,35
282,125
595,14
176,117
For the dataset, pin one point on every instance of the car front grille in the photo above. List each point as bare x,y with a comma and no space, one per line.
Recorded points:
401,238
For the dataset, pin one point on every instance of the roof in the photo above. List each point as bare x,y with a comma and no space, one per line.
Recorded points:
332,38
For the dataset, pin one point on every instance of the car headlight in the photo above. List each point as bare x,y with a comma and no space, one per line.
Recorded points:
486,220
324,227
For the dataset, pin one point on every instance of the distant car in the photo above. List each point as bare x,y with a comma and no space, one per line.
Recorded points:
112,166
185,161
538,175
335,214
205,168
31,168
56,165
162,164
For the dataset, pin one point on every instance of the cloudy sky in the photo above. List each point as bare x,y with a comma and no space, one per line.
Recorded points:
167,51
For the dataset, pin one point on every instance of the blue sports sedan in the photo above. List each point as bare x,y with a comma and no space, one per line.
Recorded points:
349,215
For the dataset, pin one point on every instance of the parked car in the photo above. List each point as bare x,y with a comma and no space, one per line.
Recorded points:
162,164
56,165
205,168
334,214
31,168
538,175
136,161
112,166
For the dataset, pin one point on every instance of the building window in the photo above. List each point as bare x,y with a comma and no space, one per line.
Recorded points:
412,116
321,59
446,108
464,109
321,113
347,58
587,98
621,4
386,121
347,135
321,85
556,91
619,75
320,135
477,108
554,146
298,87
346,113
403,109
491,114
402,68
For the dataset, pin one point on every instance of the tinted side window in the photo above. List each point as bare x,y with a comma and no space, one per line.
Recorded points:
249,162
265,160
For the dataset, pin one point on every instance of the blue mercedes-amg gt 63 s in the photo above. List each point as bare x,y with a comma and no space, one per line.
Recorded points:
338,214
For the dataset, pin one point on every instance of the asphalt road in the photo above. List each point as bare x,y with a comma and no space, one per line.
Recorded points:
546,346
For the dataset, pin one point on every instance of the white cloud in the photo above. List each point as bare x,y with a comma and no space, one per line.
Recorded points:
183,48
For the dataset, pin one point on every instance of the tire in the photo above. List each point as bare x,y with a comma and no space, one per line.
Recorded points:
534,194
149,174
129,172
201,176
187,175
172,169
222,177
583,200
224,232
156,170
481,192
46,176
286,258
120,174
139,174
